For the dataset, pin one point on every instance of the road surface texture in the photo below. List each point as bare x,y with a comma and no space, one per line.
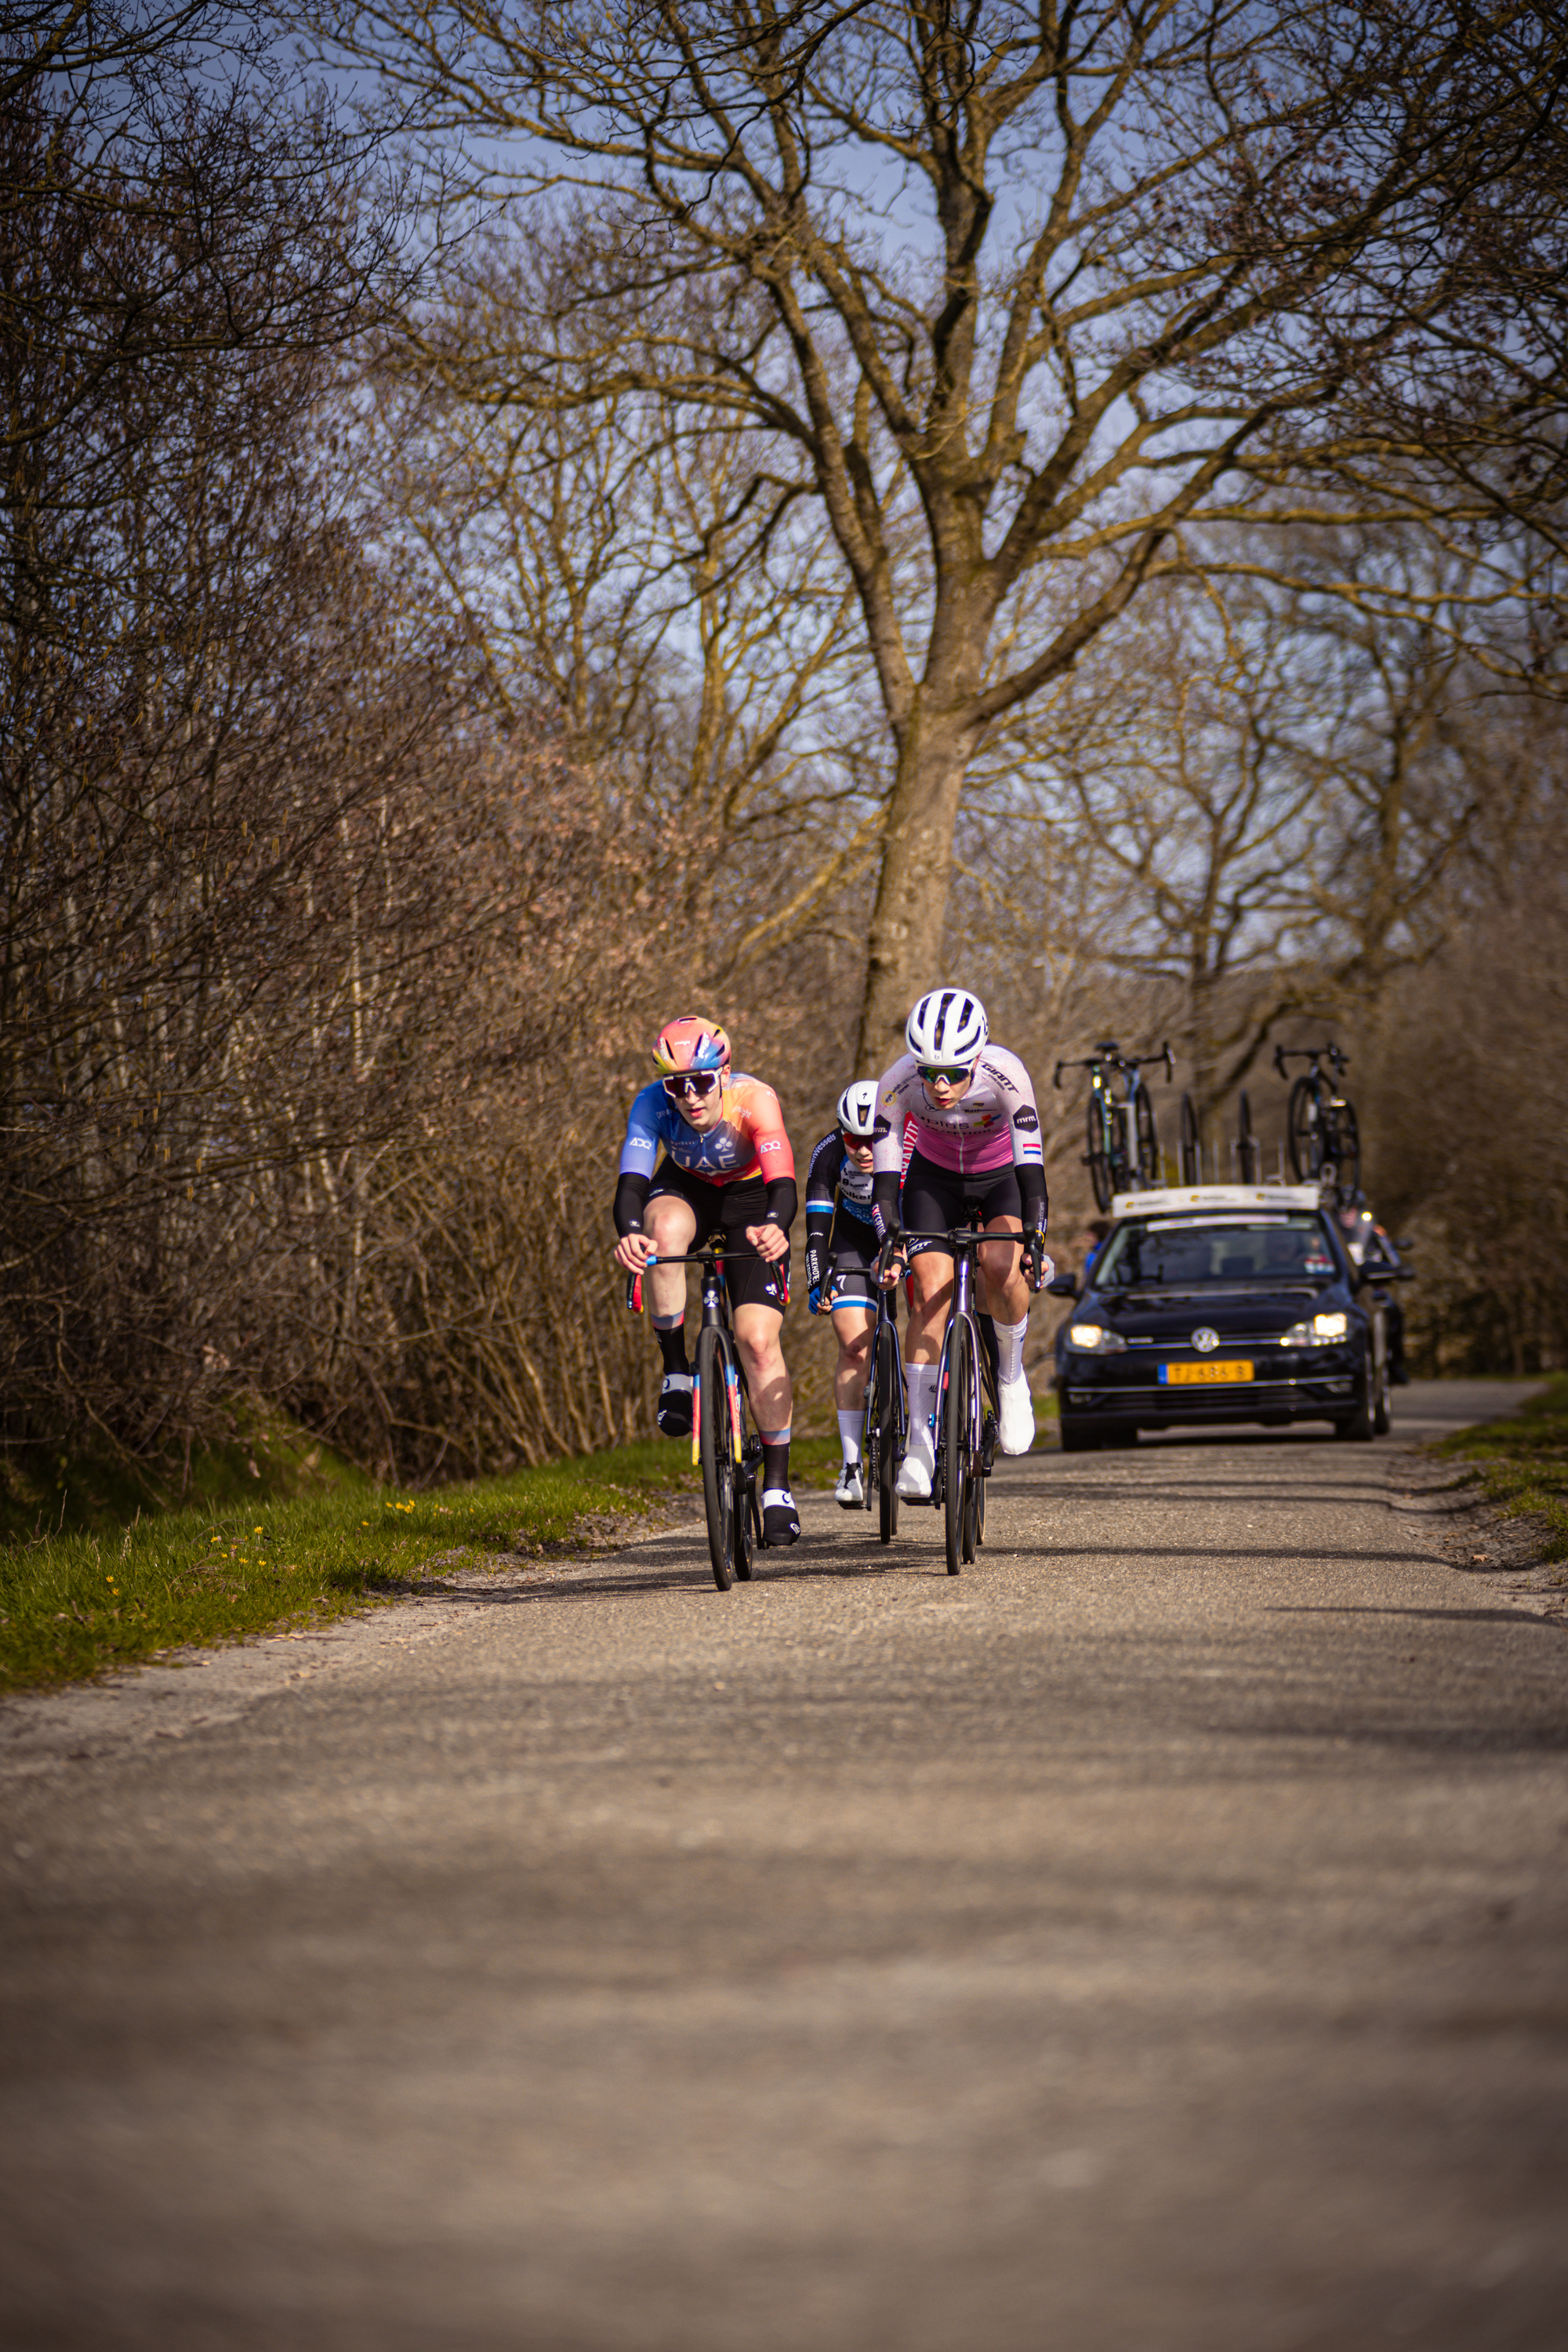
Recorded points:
1155,1940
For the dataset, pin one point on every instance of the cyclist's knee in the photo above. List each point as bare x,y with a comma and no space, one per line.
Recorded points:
672,1224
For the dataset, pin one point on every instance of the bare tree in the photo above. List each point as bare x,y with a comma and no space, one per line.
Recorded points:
605,560
1050,284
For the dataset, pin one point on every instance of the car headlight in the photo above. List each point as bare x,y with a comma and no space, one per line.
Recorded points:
1321,1332
1094,1340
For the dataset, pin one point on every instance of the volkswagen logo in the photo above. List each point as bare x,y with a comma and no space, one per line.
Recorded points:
1204,1340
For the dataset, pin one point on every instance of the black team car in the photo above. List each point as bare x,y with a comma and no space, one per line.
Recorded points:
1223,1303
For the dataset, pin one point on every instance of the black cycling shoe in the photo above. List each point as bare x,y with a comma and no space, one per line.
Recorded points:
781,1520
675,1404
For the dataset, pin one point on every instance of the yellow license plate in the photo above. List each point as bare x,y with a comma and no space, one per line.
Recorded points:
1201,1375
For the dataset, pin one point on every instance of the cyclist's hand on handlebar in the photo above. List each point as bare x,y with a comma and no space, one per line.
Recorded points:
633,1251
1038,1269
893,1263
769,1241
814,1300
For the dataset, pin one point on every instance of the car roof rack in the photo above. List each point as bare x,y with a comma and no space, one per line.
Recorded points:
1163,1199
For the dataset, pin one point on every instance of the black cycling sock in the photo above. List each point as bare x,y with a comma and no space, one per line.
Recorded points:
673,1346
775,1465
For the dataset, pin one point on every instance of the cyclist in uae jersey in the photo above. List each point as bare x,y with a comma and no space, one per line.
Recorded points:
977,1154
843,1236
727,1167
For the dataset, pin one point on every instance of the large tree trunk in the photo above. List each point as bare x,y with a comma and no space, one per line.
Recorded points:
904,949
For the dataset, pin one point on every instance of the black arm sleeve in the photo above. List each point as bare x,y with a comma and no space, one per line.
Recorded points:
1033,1199
885,1188
631,1199
782,1201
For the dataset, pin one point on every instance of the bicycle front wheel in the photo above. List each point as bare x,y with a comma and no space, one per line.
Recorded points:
1146,1143
888,1393
958,1429
1098,1157
1306,1131
716,1445
1191,1164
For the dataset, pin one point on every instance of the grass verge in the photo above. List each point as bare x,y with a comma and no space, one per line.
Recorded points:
85,1601
1521,1464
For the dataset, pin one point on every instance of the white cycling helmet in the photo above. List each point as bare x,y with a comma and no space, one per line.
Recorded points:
857,1108
947,1029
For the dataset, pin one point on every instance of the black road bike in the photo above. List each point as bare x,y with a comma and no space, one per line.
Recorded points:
729,1452
1325,1138
883,1418
1123,1153
966,1410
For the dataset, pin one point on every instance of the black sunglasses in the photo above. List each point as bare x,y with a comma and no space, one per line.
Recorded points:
700,1083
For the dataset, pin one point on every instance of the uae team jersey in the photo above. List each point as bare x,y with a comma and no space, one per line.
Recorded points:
748,1143
994,1124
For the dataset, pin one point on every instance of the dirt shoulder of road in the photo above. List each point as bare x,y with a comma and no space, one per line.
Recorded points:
1506,1549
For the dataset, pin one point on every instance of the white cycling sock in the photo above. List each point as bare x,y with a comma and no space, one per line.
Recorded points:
920,1382
1010,1349
849,1435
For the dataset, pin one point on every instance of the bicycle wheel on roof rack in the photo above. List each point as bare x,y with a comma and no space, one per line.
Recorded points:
1306,1131
1345,1148
1190,1156
1145,1142
1097,1156
1250,1151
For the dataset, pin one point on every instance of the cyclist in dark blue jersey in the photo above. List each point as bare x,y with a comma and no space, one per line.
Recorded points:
843,1236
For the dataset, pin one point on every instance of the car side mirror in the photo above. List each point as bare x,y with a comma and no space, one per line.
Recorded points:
1063,1285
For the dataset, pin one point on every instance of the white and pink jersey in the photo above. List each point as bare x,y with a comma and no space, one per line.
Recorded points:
994,1123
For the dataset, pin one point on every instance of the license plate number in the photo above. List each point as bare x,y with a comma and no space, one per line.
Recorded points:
1203,1375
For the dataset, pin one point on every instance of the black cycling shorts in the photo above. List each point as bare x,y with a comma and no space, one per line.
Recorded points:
937,1199
729,1209
852,1252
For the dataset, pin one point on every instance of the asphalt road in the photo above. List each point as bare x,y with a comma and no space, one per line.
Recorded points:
1154,1940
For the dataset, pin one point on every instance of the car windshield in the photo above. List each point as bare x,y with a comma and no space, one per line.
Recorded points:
1182,1252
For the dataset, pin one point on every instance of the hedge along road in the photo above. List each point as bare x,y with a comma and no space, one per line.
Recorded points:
1154,1938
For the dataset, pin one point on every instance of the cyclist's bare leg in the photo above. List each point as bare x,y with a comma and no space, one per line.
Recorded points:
671,1226
852,1327
757,1329
1004,1293
930,1278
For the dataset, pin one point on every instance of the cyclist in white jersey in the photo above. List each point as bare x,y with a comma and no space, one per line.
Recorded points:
977,1153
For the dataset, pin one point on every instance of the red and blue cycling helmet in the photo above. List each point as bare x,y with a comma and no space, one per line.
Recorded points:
692,1043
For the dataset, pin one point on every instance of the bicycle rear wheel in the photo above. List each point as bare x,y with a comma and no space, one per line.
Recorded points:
1145,1143
958,1443
715,1444
1306,1131
1190,1157
1097,1156
1250,1151
888,1393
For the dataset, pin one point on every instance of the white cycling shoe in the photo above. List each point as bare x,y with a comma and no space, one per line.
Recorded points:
1015,1416
850,1492
915,1470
